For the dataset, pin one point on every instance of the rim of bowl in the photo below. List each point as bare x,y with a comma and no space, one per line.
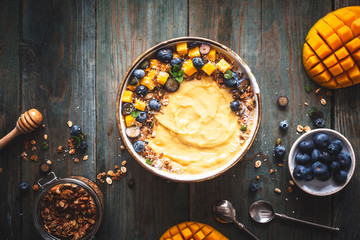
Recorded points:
313,132
177,177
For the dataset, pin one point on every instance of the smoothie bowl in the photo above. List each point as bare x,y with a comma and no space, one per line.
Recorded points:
188,109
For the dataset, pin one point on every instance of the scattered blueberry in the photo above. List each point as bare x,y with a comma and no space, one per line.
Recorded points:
280,152
284,125
139,73
141,91
234,105
155,104
133,81
198,62
24,186
334,165
344,160
302,158
335,146
315,155
192,45
83,145
139,146
319,122
321,140
306,146
164,55
319,169
325,157
340,176
253,187
231,83
176,61
141,117
300,172
75,130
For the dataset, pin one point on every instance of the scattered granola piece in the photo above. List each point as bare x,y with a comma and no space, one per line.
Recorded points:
280,165
116,166
257,163
45,136
26,145
35,188
69,123
140,37
307,129
277,190
291,182
109,180
72,151
85,157
76,160
1,170
123,169
272,171
257,177
282,101
33,148
290,189
59,149
99,176
317,90
110,173
300,128
306,104
23,155
122,147
323,101
278,141
123,163
34,158
49,162
32,142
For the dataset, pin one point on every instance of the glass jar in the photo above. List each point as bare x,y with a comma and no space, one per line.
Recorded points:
51,181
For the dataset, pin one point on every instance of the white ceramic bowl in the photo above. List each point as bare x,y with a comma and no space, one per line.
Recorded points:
243,67
315,186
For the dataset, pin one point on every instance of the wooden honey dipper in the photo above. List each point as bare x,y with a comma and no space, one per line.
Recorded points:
28,122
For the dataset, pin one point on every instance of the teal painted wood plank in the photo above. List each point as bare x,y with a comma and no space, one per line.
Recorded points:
152,205
58,71
269,36
346,121
10,82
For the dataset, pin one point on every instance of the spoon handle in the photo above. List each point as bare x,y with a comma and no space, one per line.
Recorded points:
306,222
241,226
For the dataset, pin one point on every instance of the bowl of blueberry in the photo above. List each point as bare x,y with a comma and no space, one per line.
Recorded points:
321,162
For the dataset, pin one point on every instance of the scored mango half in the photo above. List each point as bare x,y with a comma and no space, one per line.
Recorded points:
331,52
192,231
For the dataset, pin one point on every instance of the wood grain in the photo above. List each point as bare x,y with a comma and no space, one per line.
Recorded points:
10,82
125,29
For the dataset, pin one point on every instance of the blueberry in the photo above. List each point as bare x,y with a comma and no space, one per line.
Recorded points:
171,85
141,91
133,81
326,176
310,175
127,108
253,187
325,157
340,176
344,160
335,146
302,158
306,146
192,45
319,122
176,61
155,104
83,145
315,155
234,105
284,125
75,130
139,146
198,62
319,169
164,55
141,117
144,64
24,186
231,83
280,152
139,73
321,140
300,172
334,165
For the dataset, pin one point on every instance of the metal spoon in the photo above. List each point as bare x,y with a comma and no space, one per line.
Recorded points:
262,212
225,212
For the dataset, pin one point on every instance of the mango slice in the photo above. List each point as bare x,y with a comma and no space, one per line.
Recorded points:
331,51
192,231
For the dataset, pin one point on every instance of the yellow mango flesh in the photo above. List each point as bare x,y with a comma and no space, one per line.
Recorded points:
192,230
331,51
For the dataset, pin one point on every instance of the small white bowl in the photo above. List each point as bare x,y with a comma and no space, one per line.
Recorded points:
315,186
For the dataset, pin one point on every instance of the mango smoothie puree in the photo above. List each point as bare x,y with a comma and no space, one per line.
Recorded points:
197,130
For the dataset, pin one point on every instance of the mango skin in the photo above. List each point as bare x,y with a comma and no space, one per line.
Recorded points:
331,52
192,231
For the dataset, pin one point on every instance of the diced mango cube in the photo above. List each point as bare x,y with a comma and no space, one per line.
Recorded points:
317,69
307,52
347,63
199,235
336,69
223,66
140,105
154,63
162,77
311,62
353,45
354,72
355,27
356,55
165,67
176,55
148,82
345,34
342,53
212,55
177,237
194,228
324,29
346,16
323,51
181,226
129,120
315,42
213,236
330,61
207,229
334,41
208,68
166,235
133,87
186,233
323,77
174,230
330,84
194,52
188,67
127,96
182,48
342,79
333,21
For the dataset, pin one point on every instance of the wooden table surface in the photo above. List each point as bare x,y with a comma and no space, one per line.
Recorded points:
67,58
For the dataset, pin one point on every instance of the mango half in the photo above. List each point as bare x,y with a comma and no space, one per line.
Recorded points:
331,52
192,231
